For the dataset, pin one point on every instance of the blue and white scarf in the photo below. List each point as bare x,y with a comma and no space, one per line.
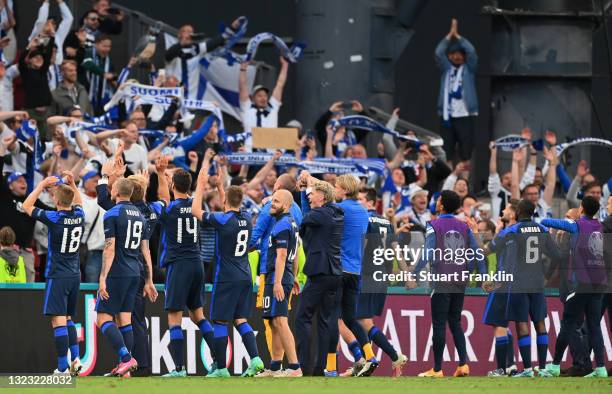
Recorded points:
291,54
365,123
231,38
583,141
453,88
512,142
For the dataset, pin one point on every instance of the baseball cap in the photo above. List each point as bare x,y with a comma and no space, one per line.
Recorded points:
14,176
417,190
257,88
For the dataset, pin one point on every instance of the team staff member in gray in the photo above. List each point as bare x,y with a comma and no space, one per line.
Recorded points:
321,232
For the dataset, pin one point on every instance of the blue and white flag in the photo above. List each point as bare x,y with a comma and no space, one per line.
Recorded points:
219,83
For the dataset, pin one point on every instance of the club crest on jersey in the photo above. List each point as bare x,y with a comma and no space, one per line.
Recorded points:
596,245
453,240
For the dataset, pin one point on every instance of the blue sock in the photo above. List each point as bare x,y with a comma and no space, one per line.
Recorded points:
220,332
294,366
355,350
61,346
275,365
510,350
128,336
542,342
112,333
248,338
209,336
501,351
524,343
382,342
73,340
176,346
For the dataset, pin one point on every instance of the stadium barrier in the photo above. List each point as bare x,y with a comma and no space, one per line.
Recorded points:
405,320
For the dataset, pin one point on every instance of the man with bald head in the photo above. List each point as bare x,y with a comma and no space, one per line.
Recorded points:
281,268
259,239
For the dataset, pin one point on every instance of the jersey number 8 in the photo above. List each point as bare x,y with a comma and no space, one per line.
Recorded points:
241,243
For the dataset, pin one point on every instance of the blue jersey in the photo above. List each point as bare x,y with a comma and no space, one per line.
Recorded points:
283,236
150,216
180,232
263,228
125,223
524,246
356,221
233,234
65,230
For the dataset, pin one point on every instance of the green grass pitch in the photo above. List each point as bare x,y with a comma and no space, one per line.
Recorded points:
374,385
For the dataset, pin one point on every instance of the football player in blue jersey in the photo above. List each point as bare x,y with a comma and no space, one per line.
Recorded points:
180,254
62,271
124,226
232,284
281,269
524,245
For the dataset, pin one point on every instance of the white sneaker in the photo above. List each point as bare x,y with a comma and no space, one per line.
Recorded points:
267,373
289,373
76,367
60,373
398,364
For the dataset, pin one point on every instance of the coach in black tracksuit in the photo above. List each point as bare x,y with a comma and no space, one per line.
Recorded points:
321,232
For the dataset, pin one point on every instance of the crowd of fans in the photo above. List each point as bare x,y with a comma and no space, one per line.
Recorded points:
66,76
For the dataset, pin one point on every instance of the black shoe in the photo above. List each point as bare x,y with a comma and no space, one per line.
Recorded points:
141,373
609,371
574,371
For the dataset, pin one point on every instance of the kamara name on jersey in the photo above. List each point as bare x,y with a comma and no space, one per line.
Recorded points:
531,229
73,220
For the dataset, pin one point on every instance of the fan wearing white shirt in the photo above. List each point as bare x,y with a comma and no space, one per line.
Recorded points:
259,109
7,75
135,156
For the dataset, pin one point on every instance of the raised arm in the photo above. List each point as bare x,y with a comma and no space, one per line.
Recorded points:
196,205
78,200
163,191
28,204
551,176
277,93
243,90
5,115
261,174
517,157
41,19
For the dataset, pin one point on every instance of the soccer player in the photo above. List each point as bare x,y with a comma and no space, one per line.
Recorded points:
443,234
495,313
232,287
527,243
180,255
261,234
62,271
371,303
135,334
280,279
124,225
588,281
